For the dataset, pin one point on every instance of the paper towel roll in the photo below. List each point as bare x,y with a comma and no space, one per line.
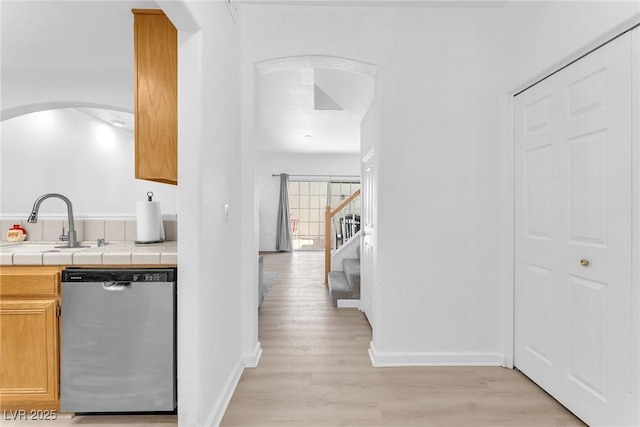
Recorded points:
149,225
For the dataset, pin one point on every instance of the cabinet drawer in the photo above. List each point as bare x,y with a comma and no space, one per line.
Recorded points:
29,281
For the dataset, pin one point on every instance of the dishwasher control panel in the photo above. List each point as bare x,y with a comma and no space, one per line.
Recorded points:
160,275
150,277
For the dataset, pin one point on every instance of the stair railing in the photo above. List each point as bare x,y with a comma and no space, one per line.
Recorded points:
328,220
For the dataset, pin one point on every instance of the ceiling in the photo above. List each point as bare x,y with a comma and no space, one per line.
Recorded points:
65,34
61,54
311,107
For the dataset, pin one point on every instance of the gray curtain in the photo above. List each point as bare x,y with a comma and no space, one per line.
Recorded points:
283,230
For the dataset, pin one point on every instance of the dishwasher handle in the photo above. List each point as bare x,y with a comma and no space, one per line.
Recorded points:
116,286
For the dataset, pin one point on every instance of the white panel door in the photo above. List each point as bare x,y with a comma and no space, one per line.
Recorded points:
368,243
573,177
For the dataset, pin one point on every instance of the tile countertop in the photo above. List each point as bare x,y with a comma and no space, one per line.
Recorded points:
113,253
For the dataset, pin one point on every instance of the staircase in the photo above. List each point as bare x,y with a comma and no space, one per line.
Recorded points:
345,285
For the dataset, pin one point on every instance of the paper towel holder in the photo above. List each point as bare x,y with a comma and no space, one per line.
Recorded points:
159,238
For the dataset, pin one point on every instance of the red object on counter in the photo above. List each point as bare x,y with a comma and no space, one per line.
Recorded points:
16,233
17,227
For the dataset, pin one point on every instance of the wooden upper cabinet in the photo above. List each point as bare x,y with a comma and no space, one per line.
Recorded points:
156,96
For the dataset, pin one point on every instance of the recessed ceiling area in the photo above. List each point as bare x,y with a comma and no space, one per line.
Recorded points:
306,107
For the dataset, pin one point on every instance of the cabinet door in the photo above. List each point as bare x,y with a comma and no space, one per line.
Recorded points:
28,351
156,96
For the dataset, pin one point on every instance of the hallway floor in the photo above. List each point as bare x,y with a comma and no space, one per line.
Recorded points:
315,371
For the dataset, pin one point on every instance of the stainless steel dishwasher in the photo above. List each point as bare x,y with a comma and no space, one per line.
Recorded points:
118,340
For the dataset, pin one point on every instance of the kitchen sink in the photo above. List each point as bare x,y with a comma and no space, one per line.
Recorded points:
42,247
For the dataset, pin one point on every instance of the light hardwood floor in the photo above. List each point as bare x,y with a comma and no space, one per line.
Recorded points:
315,371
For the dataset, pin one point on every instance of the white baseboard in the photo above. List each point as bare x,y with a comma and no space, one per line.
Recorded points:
252,359
220,407
349,303
462,358
248,361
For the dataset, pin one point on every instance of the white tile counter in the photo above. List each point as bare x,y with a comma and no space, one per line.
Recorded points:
113,253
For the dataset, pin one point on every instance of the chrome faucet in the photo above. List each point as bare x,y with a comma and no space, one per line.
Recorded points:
71,236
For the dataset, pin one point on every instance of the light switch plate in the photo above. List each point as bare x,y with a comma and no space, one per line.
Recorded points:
226,213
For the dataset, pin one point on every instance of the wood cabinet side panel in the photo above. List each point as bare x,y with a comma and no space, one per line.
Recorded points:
156,97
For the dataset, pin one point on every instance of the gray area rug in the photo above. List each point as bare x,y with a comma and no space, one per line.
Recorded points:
269,278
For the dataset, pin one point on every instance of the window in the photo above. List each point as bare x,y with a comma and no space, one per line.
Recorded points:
307,203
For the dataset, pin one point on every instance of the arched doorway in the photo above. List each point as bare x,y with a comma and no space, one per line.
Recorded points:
309,117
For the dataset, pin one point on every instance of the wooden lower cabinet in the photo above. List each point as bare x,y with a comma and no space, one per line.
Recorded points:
29,338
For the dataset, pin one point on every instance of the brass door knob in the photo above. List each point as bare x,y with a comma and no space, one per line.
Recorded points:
584,262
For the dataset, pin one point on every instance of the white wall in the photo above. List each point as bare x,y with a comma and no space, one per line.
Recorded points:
438,227
293,164
542,34
65,151
438,293
210,289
